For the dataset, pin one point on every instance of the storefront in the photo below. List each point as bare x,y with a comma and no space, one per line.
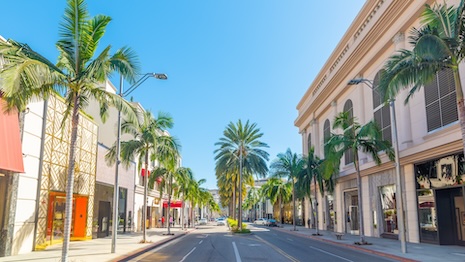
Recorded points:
11,163
441,203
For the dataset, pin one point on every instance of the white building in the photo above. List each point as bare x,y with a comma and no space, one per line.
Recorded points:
431,151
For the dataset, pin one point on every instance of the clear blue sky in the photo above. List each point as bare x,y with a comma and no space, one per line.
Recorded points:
226,60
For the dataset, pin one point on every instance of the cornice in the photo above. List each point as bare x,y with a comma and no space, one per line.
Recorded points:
390,23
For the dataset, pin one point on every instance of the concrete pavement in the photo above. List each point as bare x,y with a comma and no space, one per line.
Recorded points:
386,247
127,245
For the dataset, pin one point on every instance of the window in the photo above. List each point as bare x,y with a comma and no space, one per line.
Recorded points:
309,142
440,100
349,154
326,131
382,113
388,206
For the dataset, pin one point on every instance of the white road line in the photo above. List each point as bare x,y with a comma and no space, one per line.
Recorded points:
236,252
290,239
187,254
200,242
321,250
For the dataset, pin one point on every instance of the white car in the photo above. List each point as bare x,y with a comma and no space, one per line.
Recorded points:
260,221
203,221
220,222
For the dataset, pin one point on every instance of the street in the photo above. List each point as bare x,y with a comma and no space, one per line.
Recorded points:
215,243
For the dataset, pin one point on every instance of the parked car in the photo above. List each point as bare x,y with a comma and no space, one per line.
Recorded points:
272,223
260,221
203,221
220,222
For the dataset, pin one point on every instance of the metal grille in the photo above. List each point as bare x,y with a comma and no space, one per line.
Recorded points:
55,162
440,99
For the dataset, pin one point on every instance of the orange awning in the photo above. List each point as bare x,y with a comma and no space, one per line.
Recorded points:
11,156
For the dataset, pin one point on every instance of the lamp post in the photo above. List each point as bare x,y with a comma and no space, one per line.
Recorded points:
395,142
118,153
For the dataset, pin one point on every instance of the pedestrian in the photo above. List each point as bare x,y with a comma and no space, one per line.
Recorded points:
163,221
171,221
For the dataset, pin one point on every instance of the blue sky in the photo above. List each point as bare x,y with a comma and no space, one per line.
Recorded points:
226,60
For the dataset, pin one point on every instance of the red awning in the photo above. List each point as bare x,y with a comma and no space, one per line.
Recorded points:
11,155
175,204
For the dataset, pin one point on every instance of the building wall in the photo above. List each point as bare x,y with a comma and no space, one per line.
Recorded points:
362,52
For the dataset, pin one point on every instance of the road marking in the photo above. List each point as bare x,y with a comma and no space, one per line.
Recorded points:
277,249
187,254
200,242
236,252
321,250
290,239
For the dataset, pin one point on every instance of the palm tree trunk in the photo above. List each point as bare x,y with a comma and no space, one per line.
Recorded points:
316,207
360,205
70,185
293,203
182,214
234,201
239,220
144,209
169,204
281,215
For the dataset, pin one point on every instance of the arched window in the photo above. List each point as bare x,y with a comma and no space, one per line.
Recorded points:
349,154
326,131
440,100
382,113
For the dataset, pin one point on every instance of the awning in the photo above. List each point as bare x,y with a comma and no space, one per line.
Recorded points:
11,155
175,204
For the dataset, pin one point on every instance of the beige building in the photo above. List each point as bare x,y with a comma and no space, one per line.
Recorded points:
429,136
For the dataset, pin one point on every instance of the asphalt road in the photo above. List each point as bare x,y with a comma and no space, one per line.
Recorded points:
215,243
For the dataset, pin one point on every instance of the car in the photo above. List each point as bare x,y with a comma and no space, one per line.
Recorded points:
203,221
272,223
220,222
260,221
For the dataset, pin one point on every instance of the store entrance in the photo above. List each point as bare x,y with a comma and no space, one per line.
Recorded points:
451,216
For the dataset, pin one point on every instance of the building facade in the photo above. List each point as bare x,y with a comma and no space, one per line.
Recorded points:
429,136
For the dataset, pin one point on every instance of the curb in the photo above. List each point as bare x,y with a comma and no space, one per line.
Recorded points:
140,251
374,252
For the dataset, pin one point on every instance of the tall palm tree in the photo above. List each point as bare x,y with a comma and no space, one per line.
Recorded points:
312,174
355,137
252,199
437,45
150,142
240,149
277,189
184,180
171,172
78,74
289,165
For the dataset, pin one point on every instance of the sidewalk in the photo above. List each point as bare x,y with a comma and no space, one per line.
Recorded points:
386,247
100,249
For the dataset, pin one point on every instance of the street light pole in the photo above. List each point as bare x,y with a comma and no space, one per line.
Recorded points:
122,94
395,142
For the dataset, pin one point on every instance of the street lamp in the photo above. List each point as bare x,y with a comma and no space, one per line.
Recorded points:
399,202
118,153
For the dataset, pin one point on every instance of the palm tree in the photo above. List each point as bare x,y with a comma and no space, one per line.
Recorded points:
312,173
78,74
170,171
150,143
277,189
289,165
240,149
252,199
437,45
367,138
184,180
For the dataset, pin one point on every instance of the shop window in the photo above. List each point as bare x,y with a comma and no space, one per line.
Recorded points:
427,217
388,206
382,113
442,172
